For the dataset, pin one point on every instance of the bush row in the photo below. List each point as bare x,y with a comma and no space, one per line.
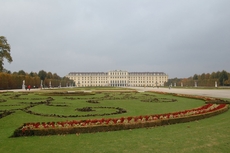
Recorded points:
115,127
159,100
79,93
119,111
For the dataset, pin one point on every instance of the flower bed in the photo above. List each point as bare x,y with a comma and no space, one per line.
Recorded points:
159,100
123,123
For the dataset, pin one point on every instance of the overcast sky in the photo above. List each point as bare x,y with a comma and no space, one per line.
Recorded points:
178,37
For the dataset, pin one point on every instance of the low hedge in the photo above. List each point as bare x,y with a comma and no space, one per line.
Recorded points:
115,127
5,113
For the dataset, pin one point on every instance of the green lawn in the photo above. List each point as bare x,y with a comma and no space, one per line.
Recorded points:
208,135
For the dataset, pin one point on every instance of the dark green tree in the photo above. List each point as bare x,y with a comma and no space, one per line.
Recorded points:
4,52
195,77
42,74
21,72
223,77
213,75
55,76
32,74
202,77
49,75
217,74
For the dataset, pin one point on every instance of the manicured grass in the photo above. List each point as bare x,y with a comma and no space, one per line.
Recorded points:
208,135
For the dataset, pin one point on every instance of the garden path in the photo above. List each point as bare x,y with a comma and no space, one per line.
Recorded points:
219,93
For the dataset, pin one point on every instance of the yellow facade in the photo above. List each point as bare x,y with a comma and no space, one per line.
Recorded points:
118,78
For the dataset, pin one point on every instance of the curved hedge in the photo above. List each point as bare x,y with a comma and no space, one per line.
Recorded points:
102,125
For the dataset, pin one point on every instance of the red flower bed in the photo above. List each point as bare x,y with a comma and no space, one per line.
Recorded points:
131,120
123,123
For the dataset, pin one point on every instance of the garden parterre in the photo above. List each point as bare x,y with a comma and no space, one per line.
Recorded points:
29,101
209,135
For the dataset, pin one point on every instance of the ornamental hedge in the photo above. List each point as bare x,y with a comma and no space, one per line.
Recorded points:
123,123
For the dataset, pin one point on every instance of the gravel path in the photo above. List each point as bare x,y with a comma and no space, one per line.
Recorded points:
219,93
19,90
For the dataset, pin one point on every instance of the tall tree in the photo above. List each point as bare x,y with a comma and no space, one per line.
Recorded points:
55,76
42,74
202,77
4,52
207,76
32,74
21,72
195,77
49,75
213,75
223,77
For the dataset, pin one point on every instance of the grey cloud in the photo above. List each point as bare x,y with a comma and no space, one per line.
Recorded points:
180,37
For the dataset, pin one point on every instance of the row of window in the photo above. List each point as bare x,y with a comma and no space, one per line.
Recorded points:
118,82
146,82
116,85
115,73
92,75
119,85
131,78
118,73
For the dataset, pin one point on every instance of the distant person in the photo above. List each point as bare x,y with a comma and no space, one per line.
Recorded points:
29,87
26,87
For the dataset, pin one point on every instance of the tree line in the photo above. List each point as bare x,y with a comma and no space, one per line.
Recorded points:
15,80
205,79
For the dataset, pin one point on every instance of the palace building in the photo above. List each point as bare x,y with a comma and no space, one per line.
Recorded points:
118,78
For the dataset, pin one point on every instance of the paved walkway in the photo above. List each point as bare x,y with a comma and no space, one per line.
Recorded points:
19,90
219,93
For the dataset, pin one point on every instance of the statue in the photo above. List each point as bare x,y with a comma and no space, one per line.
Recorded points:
195,84
23,84
216,84
41,84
